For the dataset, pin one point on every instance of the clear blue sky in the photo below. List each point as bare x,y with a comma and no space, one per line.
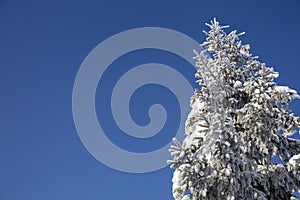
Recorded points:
42,45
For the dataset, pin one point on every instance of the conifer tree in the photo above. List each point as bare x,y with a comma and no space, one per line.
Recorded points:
240,119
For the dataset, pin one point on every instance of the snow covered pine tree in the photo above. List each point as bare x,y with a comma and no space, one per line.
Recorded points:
239,121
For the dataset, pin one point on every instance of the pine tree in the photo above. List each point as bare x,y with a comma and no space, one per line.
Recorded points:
239,121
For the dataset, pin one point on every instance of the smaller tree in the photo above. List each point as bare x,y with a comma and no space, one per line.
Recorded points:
235,128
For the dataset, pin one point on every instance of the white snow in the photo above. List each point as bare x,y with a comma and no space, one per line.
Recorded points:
231,131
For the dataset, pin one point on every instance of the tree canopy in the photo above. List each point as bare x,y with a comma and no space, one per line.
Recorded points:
240,119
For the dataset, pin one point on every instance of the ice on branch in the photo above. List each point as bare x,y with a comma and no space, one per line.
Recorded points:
239,121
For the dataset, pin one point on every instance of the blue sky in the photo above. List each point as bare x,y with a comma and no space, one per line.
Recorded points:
42,45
